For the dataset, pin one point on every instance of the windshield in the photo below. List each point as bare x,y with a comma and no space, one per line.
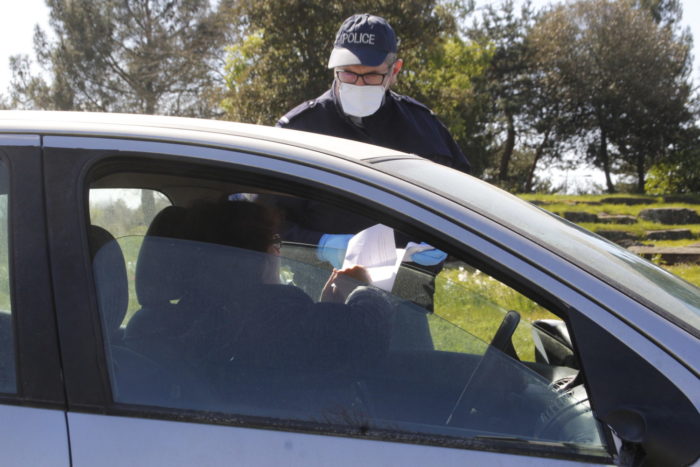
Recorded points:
608,261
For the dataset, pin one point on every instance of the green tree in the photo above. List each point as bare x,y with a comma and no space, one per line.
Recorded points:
507,81
679,173
625,77
284,48
144,56
667,12
446,81
282,56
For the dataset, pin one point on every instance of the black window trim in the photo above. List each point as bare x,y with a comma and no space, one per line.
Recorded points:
35,337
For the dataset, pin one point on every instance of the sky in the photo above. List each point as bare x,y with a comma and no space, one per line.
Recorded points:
19,19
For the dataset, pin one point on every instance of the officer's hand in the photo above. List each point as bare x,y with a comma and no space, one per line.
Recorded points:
332,248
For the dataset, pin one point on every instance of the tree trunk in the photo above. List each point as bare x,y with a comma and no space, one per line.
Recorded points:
641,173
151,102
148,206
538,155
605,159
508,148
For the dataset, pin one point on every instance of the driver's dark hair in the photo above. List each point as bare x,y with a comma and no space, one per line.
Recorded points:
241,224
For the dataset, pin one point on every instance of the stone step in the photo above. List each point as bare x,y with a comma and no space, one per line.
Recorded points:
669,234
602,218
686,199
628,201
677,216
669,255
621,237
616,219
579,216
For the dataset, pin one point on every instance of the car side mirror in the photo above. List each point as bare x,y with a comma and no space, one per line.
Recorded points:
650,437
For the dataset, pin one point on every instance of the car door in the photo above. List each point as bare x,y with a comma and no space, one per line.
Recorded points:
426,386
32,407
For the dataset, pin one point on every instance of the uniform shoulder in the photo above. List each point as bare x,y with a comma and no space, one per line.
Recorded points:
301,109
296,111
411,102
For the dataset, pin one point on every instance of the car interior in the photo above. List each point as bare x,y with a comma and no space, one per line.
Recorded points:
187,326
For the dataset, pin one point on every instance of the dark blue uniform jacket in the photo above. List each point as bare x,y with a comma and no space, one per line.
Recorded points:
401,123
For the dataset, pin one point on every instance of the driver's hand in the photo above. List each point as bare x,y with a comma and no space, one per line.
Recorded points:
342,282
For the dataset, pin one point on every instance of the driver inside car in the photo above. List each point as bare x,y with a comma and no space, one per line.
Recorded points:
248,315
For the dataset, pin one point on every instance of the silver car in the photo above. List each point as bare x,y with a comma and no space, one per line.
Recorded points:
189,292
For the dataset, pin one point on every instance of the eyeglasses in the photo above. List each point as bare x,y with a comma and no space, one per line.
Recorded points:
370,79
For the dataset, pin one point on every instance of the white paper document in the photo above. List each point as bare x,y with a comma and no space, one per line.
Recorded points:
375,249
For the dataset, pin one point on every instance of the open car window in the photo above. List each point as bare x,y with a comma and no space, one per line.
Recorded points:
249,333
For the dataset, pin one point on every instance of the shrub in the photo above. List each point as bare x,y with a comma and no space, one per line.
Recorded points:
679,174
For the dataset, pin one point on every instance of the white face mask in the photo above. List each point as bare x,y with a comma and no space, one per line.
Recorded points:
360,101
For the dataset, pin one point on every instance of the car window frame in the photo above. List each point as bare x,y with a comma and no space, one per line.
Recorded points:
539,282
37,354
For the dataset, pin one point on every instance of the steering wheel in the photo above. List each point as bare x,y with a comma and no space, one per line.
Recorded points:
502,339
569,418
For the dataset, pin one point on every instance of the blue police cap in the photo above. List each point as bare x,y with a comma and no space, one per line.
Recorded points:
363,40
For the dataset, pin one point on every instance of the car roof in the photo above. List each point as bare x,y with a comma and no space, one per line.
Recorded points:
156,127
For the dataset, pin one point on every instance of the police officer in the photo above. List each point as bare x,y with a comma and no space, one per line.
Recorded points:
360,104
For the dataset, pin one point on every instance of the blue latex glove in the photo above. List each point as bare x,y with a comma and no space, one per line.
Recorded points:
332,248
429,257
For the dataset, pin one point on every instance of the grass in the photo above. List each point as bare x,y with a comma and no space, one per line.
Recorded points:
641,227
689,272
130,246
670,243
469,300
561,203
